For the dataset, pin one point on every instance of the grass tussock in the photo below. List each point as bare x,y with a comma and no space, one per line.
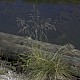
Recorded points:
40,66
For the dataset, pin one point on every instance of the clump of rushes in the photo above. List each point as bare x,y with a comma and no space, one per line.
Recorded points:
40,66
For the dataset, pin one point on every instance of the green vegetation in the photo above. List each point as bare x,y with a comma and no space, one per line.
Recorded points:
39,66
2,72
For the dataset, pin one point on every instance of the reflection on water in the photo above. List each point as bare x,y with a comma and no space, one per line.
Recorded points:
66,15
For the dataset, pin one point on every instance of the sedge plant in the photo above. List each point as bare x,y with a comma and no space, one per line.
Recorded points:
38,65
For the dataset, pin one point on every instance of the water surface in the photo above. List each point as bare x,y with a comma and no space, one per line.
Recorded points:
67,18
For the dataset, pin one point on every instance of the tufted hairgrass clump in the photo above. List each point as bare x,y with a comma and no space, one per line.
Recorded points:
39,66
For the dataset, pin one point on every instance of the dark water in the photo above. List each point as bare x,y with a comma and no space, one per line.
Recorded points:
67,18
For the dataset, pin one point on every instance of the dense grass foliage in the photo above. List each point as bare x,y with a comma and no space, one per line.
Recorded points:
39,66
